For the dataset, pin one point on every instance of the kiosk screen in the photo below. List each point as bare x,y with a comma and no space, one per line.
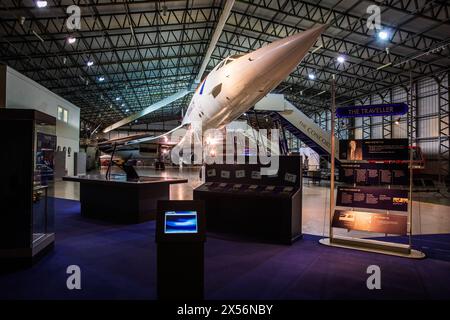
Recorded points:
180,222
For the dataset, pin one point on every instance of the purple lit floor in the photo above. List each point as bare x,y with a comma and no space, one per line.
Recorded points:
119,262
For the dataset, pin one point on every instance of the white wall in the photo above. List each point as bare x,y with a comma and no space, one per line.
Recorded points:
24,93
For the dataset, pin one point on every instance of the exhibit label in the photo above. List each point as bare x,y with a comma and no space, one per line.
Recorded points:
374,149
371,222
374,173
389,109
372,198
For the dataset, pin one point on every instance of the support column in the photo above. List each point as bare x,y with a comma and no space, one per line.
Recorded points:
386,97
367,124
444,98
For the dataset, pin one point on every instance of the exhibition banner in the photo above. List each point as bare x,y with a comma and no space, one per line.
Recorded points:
374,173
371,222
372,198
374,149
389,109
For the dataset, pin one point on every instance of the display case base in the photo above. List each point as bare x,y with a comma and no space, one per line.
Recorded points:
373,246
12,259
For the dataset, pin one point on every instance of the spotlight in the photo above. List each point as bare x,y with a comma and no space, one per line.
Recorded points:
127,110
41,4
311,76
101,79
341,59
383,35
71,40
122,105
397,122
118,99
90,63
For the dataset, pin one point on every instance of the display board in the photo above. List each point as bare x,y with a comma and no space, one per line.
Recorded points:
370,222
374,149
372,198
250,174
239,200
374,173
379,163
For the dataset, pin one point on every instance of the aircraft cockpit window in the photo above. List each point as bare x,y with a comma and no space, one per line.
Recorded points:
217,89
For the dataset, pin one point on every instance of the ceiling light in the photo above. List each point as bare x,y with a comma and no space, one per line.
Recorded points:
127,110
41,4
122,105
90,63
101,79
341,59
71,40
311,76
397,122
118,98
383,35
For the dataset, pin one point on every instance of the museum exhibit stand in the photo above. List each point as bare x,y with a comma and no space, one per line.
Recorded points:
118,199
375,196
240,200
180,238
26,184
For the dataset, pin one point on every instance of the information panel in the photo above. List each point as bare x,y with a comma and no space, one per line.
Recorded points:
372,198
374,173
371,222
374,149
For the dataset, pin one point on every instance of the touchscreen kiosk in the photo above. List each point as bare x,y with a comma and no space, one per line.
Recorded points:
180,222
180,237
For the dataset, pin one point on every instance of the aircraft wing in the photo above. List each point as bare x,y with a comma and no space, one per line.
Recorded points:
171,137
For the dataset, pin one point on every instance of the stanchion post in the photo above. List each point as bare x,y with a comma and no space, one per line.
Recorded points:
410,124
332,155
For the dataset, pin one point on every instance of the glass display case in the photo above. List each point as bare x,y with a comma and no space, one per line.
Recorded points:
28,138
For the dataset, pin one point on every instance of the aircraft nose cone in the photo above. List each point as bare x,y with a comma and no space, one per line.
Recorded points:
279,59
309,37
292,49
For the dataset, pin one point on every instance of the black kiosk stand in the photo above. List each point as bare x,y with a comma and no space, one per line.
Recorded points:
180,237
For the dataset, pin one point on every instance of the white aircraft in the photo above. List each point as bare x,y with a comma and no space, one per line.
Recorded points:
234,86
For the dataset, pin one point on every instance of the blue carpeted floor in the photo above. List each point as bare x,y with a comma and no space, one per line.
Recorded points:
119,262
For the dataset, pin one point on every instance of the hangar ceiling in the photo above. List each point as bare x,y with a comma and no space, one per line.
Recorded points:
129,54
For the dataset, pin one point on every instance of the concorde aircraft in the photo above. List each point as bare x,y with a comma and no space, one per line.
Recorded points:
234,86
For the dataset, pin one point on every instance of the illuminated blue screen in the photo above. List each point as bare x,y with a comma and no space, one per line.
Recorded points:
180,222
